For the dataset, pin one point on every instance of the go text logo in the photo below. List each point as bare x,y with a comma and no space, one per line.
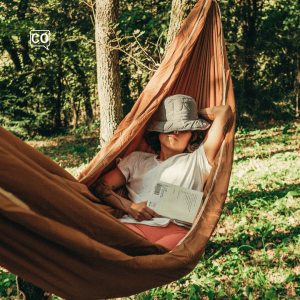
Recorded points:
40,38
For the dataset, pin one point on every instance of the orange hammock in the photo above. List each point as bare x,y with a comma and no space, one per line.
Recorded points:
56,234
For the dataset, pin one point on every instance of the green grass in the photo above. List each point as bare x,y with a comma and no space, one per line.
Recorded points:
254,252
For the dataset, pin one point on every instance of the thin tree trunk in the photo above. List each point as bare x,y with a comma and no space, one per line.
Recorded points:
25,50
24,37
180,10
297,105
297,84
108,70
7,45
75,116
58,104
58,99
250,8
89,117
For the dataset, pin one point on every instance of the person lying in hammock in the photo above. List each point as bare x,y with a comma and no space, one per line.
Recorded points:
184,159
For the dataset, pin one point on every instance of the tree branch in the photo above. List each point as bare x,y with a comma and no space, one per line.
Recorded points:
32,71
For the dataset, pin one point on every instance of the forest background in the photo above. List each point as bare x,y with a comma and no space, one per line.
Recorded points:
47,94
51,92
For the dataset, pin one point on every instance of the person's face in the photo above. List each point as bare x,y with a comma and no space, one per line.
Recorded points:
175,141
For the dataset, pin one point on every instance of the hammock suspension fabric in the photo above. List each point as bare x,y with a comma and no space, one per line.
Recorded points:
57,235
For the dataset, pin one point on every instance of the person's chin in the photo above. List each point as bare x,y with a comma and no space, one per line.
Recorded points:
173,147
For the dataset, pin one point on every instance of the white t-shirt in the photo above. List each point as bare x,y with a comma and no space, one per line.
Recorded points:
140,169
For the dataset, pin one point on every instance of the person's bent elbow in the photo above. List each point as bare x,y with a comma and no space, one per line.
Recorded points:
227,110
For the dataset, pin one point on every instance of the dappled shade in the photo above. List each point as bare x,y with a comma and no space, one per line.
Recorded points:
58,236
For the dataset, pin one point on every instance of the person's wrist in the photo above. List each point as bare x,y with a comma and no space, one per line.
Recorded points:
127,206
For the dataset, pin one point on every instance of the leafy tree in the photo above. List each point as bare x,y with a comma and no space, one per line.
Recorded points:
40,88
143,29
262,50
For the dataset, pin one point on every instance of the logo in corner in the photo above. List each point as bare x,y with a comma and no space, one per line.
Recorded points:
40,38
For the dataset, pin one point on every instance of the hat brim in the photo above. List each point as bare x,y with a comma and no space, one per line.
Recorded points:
169,126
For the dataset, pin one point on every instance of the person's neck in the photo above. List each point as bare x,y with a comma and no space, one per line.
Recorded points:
166,153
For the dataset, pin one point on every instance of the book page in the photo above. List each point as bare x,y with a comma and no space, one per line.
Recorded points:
174,202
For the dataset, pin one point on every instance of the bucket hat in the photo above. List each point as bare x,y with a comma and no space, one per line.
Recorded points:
178,112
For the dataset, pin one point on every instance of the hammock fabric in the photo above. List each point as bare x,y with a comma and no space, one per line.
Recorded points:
58,236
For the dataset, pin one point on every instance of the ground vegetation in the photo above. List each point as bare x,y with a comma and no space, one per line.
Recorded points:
254,252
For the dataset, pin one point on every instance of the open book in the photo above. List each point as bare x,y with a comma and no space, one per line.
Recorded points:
174,202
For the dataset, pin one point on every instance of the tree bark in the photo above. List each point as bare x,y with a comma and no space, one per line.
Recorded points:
7,45
180,10
59,78
250,10
24,37
89,118
58,104
25,50
297,84
75,116
108,70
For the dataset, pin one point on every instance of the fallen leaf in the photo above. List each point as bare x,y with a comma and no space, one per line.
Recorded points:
291,292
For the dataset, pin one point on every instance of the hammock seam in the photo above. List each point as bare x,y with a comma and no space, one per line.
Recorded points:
221,154
222,47
14,199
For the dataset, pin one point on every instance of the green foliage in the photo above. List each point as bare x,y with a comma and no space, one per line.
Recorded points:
264,69
7,284
143,28
42,90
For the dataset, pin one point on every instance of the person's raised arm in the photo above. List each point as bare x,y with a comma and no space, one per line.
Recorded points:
105,192
221,117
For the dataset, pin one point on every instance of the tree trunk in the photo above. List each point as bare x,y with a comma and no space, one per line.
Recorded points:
58,104
81,77
25,50
108,70
297,84
59,78
7,45
24,36
250,10
297,104
75,116
180,10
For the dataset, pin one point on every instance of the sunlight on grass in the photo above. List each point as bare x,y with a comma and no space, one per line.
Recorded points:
70,152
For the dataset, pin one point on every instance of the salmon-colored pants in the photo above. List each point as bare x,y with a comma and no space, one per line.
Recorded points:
168,236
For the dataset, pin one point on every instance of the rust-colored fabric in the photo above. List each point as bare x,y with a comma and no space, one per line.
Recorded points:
168,236
58,236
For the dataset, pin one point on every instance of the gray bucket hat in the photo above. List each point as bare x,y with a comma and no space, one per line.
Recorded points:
178,112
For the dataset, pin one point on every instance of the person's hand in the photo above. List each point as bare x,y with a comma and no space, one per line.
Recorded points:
141,212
